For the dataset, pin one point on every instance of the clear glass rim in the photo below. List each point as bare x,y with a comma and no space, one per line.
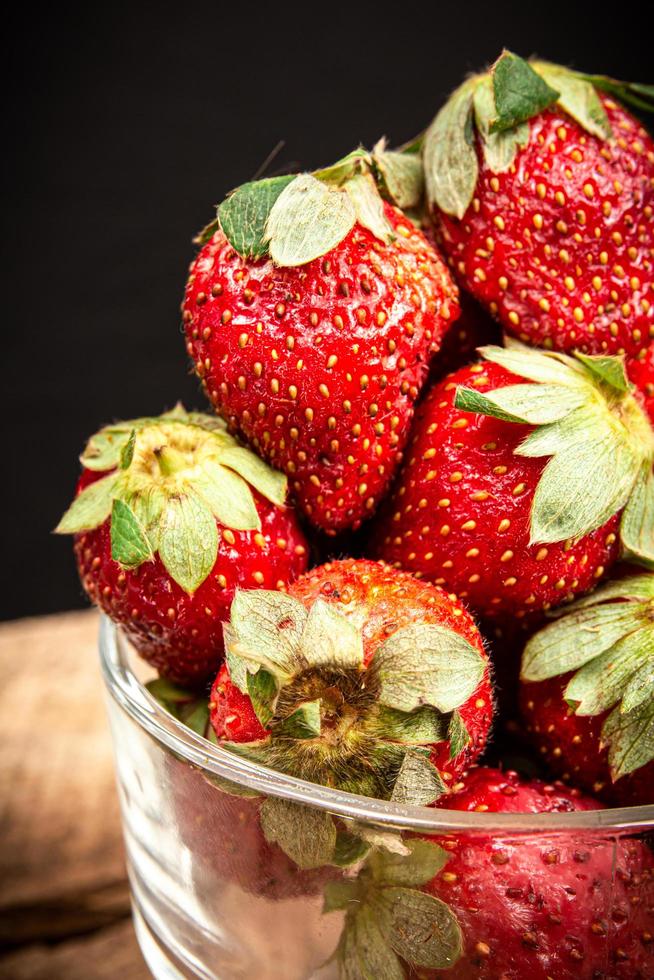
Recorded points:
128,692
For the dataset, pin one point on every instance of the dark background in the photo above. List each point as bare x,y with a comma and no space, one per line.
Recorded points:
124,125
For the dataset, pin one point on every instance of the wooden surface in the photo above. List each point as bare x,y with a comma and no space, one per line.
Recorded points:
64,903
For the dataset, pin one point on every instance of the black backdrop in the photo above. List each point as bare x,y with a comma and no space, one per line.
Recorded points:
124,124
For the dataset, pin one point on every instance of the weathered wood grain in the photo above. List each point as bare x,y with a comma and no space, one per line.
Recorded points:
64,902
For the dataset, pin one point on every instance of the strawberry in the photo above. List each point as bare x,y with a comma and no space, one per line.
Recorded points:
516,476
360,678
171,516
541,186
588,691
478,905
641,374
311,313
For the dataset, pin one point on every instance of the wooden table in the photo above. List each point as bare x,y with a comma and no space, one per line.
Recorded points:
64,902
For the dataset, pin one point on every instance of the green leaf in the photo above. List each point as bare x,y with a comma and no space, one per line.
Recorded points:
243,215
576,639
449,155
425,726
599,684
609,370
640,686
520,92
103,450
306,835
458,735
268,482
304,722
423,861
363,953
340,894
631,587
369,207
188,540
500,149
308,219
90,508
197,718
536,365
263,691
421,929
418,782
637,524
582,487
578,98
633,93
426,664
341,171
349,849
267,627
402,177
129,543
630,738
237,665
228,497
148,506
331,639
127,452
535,404
168,693
389,840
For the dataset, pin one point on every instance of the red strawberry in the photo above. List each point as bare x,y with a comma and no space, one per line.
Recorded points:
171,516
545,906
511,492
641,374
313,335
542,188
377,674
588,691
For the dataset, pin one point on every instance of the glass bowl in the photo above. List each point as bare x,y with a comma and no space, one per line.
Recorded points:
213,897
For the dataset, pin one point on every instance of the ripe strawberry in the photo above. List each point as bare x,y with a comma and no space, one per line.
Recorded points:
312,326
570,905
542,190
171,516
641,374
588,691
511,493
477,905
361,678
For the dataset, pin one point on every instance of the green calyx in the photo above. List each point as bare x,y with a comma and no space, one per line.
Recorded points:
329,719
496,108
599,440
389,922
172,479
607,639
296,218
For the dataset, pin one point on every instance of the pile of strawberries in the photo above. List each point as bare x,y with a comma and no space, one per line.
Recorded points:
439,362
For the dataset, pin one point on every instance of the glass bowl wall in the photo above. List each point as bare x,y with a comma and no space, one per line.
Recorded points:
213,898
